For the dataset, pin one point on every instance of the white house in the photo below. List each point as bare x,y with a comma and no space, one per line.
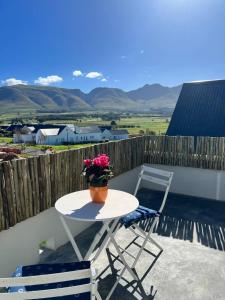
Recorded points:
89,134
25,135
47,136
66,134
112,135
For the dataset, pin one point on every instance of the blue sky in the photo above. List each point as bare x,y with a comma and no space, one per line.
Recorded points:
115,43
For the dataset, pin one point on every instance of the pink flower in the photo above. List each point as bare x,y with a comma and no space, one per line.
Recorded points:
101,161
87,162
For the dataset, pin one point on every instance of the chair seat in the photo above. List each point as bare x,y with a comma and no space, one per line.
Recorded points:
44,269
140,214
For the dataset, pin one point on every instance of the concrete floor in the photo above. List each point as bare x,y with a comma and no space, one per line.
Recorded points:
191,266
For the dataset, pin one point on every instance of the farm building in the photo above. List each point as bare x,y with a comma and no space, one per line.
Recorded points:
65,134
200,110
112,135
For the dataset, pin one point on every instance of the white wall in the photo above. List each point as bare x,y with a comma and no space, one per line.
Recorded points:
196,182
19,245
24,138
119,137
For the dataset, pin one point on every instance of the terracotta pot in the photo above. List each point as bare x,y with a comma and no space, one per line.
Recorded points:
98,194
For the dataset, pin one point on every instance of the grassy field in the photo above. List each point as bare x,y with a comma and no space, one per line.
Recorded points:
60,147
157,124
135,124
153,123
5,140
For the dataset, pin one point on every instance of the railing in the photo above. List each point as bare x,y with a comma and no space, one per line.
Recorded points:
29,186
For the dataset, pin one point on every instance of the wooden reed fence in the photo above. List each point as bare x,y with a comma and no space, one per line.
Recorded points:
29,186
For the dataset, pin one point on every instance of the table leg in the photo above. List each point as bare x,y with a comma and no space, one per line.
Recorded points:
107,237
71,239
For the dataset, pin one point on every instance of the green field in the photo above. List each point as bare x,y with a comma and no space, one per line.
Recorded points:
5,140
135,124
158,125
60,147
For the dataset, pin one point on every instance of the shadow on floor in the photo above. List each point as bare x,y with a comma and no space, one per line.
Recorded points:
130,289
188,218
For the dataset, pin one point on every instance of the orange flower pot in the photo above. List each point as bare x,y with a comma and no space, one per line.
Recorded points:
98,194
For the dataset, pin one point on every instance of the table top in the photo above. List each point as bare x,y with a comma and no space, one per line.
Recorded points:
79,206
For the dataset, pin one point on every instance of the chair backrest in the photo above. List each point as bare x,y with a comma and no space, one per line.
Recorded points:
49,279
156,176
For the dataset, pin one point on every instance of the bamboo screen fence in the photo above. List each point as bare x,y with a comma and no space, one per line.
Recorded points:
29,186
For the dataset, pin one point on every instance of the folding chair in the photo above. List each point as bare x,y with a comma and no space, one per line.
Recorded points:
130,221
64,281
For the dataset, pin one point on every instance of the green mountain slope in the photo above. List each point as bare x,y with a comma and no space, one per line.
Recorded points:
32,98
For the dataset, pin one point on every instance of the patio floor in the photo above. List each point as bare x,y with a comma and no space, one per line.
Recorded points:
191,266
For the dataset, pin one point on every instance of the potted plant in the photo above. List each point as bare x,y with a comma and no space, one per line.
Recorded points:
98,171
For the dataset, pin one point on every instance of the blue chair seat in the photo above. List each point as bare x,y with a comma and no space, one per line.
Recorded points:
140,214
44,269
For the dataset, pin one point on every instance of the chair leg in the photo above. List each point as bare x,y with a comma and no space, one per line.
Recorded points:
155,243
144,243
151,240
97,295
123,259
115,284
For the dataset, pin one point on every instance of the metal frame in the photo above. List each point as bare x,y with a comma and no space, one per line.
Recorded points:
155,176
52,278
159,177
106,228
110,233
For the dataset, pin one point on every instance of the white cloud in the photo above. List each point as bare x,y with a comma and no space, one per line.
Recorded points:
123,56
93,75
104,80
77,73
13,81
142,51
48,80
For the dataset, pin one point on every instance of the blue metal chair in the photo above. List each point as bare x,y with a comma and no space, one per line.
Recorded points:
64,281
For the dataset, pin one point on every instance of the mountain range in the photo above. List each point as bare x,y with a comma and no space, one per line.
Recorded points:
149,98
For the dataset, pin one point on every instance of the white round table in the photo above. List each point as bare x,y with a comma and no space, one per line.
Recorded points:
79,207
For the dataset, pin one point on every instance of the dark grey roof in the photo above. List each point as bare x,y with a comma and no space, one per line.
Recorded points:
200,110
102,127
14,127
89,129
118,132
4,126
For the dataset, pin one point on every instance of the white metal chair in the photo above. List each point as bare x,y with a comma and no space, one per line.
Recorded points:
130,221
161,178
50,281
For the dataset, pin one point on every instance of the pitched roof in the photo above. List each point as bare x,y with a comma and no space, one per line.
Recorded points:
50,131
14,127
89,129
47,126
108,127
119,132
200,110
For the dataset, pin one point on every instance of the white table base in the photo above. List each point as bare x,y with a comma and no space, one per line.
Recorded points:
110,233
